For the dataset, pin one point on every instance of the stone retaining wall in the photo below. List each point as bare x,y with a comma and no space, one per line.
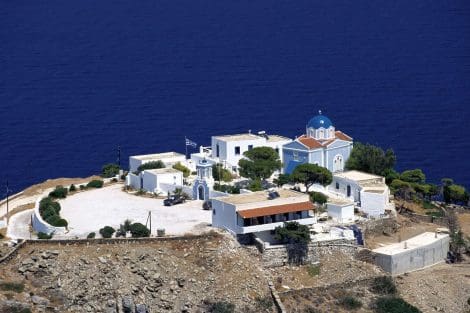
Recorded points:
442,221
278,255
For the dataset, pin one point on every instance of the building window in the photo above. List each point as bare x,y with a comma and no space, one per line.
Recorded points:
217,150
295,155
213,211
237,150
277,151
337,185
250,147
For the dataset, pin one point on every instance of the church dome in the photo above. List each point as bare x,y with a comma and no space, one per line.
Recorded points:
319,121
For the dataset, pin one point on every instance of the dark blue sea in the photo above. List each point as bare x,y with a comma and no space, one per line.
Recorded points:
79,78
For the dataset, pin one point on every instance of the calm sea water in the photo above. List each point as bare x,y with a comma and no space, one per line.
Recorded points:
79,78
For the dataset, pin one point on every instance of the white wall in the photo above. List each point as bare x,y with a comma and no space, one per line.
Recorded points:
343,185
340,213
224,216
168,158
133,181
374,203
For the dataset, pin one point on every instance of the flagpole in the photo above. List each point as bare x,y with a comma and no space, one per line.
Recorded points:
186,146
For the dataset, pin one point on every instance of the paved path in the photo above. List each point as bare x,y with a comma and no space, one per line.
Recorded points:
19,225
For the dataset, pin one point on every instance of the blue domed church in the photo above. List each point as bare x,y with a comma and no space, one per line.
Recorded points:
322,144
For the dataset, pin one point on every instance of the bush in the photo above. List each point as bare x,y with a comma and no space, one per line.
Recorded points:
49,210
96,183
394,305
180,167
255,185
107,232
227,188
139,230
292,232
91,235
384,285
221,174
59,192
9,286
42,235
222,307
265,303
318,197
72,188
313,270
57,221
150,166
110,170
350,303
82,187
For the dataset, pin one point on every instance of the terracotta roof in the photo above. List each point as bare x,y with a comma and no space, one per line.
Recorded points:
311,143
277,209
342,136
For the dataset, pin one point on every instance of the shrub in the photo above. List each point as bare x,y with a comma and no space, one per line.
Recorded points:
96,183
222,307
110,170
82,187
265,303
313,270
91,235
292,232
150,166
255,185
42,235
180,167
350,303
318,197
9,286
124,228
107,232
59,192
139,230
57,221
227,188
221,174
384,285
72,188
394,305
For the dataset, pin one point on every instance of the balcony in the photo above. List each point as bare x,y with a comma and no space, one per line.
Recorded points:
271,226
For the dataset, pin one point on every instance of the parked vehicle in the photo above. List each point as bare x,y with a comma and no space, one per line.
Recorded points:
172,200
207,205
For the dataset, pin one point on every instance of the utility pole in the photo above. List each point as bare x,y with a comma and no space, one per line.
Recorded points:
8,193
119,156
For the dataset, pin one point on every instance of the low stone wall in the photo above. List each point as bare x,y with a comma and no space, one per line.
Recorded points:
278,255
10,255
442,221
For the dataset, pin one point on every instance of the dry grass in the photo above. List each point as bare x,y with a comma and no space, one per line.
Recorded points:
464,223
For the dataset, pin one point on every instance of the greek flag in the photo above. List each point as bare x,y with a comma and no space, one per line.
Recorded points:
191,143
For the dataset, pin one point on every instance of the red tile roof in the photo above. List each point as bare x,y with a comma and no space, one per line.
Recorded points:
276,209
342,136
311,143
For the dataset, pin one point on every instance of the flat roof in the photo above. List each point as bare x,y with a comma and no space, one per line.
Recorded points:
357,175
339,201
260,196
415,242
157,156
166,170
251,136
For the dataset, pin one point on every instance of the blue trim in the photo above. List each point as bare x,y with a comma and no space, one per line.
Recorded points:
291,166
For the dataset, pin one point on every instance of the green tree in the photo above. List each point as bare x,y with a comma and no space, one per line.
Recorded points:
150,166
390,174
402,189
413,176
318,197
256,185
107,232
221,174
282,180
259,163
297,237
180,167
109,170
371,159
309,174
455,193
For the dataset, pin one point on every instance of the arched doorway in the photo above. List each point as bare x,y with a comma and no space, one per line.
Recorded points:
200,191
338,163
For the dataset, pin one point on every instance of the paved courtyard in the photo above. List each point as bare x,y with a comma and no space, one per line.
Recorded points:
91,210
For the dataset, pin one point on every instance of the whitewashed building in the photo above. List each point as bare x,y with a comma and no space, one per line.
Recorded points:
340,210
369,192
258,212
151,180
228,149
169,158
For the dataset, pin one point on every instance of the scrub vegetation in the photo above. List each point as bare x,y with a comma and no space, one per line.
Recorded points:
49,210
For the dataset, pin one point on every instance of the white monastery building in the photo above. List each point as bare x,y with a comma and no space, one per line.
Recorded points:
369,192
340,210
151,180
228,149
169,158
261,211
